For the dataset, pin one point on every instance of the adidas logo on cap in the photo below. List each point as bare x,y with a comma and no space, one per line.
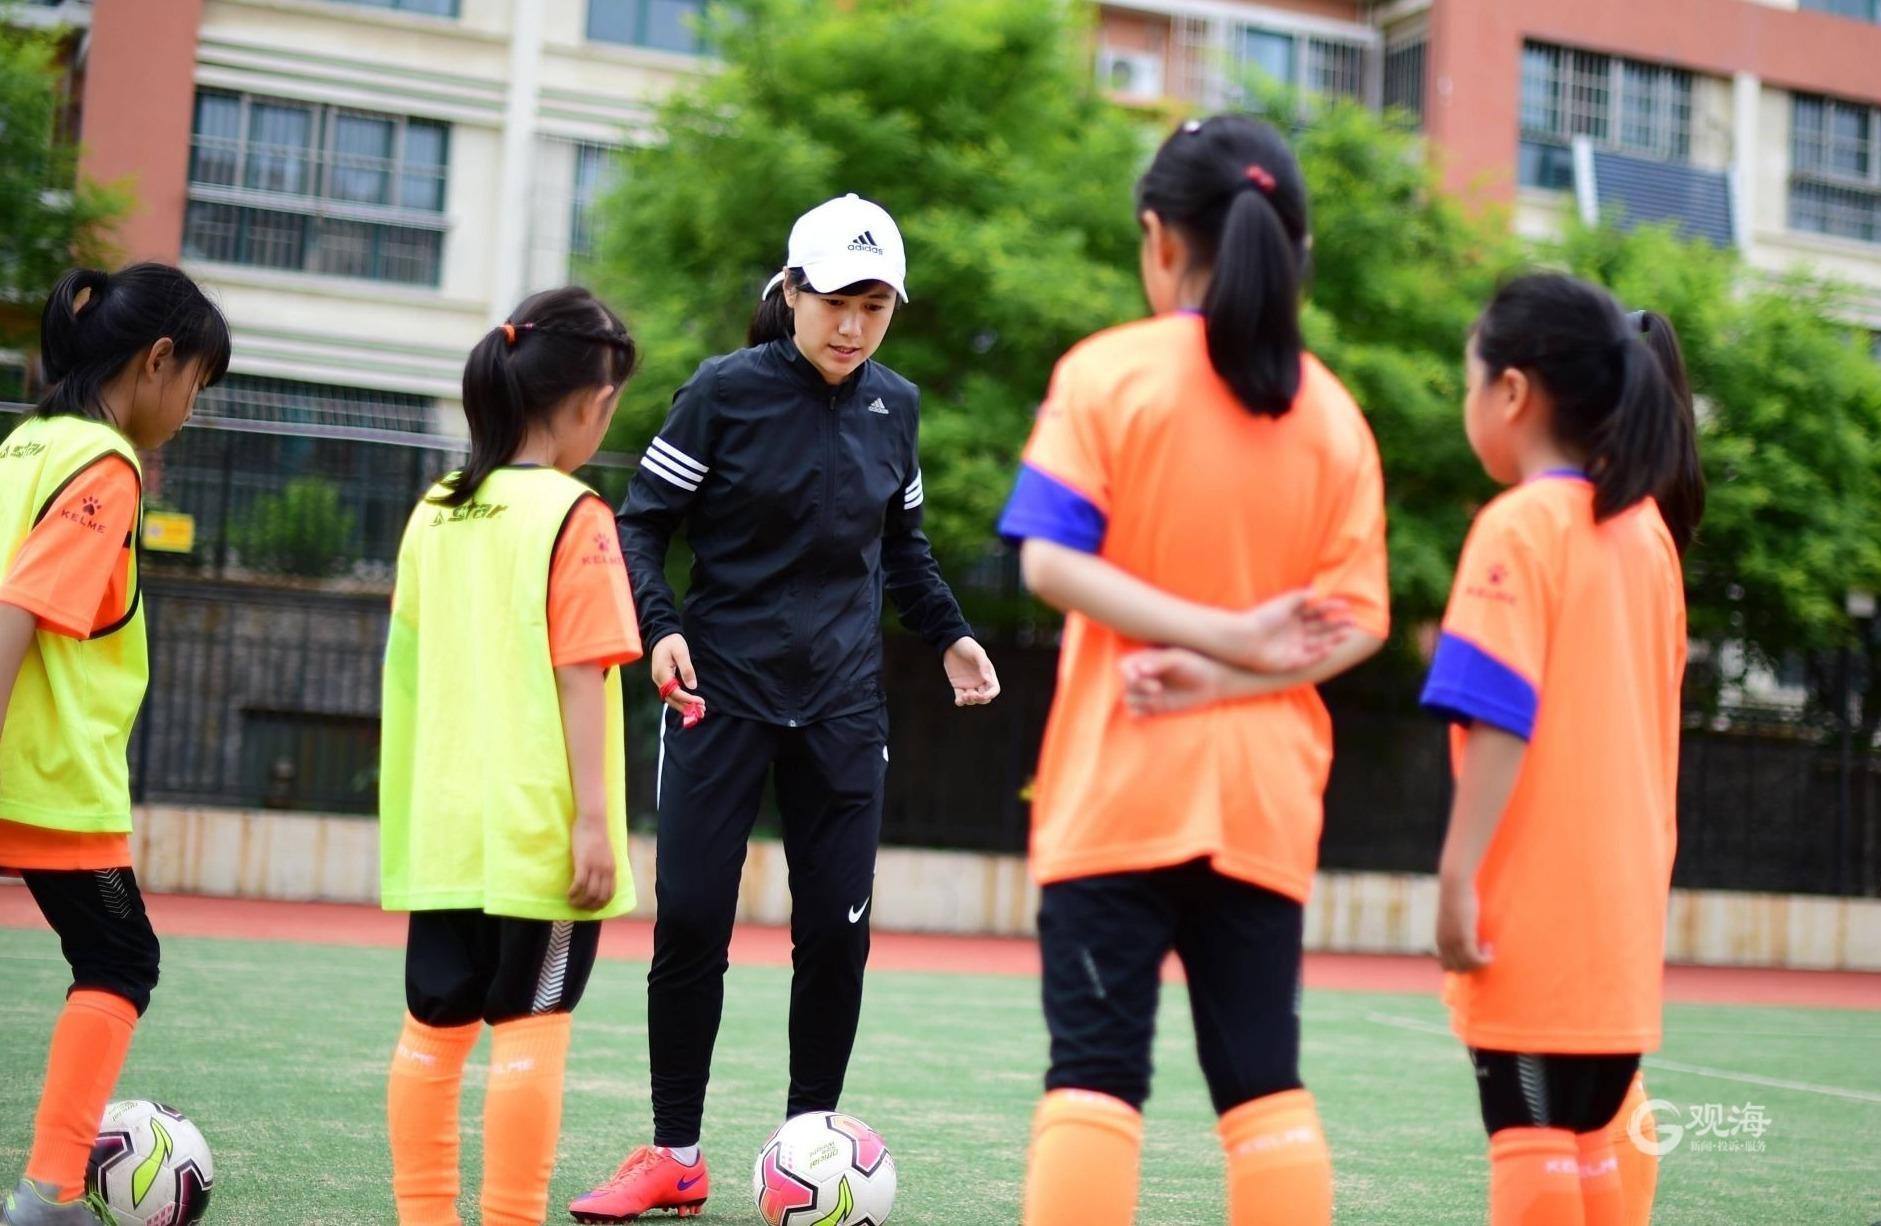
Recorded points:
865,241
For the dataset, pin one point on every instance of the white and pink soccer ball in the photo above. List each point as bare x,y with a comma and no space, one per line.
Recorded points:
824,1169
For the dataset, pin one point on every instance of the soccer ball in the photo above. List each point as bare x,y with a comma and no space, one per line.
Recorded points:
150,1165
824,1169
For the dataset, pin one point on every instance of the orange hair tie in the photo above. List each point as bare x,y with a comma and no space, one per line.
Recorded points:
509,332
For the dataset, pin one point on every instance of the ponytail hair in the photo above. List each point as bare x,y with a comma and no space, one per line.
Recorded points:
1612,400
83,345
1233,189
774,320
556,344
1682,501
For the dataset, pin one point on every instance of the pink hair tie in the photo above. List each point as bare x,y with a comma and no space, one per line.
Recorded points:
1259,177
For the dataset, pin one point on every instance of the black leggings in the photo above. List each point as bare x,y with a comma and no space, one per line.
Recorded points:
829,777
103,930
1526,1090
1104,940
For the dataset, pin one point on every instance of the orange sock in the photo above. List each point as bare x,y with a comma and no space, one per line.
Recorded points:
1535,1178
522,1117
1279,1169
1086,1148
421,1116
1639,1168
89,1043
1601,1201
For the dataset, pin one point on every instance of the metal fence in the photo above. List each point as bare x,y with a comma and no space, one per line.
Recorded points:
297,501
271,700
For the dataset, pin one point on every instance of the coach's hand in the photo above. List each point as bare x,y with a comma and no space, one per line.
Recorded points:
594,863
1457,912
970,672
672,661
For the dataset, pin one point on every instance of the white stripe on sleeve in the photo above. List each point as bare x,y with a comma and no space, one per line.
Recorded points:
659,468
680,460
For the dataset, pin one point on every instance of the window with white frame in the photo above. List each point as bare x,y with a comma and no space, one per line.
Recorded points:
594,167
1305,62
1626,105
305,187
663,25
1835,168
1404,75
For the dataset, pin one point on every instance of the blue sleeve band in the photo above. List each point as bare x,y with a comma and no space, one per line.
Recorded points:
1044,507
1467,685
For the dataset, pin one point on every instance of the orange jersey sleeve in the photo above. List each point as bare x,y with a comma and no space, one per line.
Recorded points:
591,606
1353,565
1063,493
1489,660
73,570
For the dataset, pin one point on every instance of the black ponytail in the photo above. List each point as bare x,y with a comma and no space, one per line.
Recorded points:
1233,189
83,345
557,343
1612,400
774,320
1682,501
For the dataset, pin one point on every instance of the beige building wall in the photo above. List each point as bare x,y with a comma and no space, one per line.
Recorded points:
459,71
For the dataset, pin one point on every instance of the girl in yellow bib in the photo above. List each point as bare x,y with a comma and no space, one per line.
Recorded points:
124,355
503,782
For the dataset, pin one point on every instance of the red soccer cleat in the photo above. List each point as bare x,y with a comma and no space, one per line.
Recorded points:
651,1180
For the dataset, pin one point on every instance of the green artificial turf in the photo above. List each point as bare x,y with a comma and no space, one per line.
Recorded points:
278,1051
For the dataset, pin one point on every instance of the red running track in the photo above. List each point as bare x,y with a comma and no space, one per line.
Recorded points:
632,940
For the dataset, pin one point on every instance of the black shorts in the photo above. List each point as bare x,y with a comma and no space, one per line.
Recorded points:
1529,1090
103,930
466,966
1104,940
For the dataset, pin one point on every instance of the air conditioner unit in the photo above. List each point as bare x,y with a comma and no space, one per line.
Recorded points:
1131,74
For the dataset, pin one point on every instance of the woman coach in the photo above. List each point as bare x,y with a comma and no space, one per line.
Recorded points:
793,466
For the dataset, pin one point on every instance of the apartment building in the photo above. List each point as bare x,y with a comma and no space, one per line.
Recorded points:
367,185
1754,123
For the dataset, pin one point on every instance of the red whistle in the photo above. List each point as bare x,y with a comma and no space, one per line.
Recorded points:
691,716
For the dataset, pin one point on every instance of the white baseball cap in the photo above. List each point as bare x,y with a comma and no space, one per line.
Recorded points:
843,241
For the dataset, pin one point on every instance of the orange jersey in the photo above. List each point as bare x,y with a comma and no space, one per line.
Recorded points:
1570,634
591,607
72,574
1143,456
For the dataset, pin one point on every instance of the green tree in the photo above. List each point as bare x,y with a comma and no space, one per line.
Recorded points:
50,217
1790,435
977,124
1398,273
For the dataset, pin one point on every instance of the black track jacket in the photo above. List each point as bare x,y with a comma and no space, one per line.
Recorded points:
801,502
